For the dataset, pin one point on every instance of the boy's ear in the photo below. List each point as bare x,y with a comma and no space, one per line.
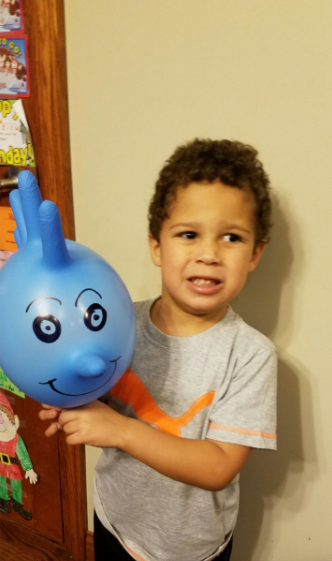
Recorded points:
155,251
256,255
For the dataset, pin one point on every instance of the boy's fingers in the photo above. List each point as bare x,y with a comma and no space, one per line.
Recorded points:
53,429
46,414
51,407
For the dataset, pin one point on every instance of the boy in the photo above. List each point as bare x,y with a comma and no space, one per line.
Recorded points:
201,380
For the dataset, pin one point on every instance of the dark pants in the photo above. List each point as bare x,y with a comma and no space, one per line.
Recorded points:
108,548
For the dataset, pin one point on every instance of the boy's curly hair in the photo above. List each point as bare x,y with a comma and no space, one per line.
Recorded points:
231,162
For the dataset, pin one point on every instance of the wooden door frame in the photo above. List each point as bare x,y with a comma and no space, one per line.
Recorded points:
47,114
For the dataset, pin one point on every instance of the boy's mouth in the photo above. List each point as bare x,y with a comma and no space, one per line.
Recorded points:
201,281
205,285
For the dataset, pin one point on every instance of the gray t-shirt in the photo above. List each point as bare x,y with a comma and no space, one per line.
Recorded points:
219,384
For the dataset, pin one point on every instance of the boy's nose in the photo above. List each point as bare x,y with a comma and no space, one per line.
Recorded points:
209,253
90,366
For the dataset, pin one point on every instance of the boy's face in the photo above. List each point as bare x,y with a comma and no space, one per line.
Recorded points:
206,249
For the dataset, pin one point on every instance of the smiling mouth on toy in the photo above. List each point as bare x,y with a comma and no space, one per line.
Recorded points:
50,382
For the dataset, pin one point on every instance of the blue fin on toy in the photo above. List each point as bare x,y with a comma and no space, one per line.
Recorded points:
31,201
20,233
55,253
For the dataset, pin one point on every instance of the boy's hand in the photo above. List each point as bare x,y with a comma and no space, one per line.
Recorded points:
49,413
95,424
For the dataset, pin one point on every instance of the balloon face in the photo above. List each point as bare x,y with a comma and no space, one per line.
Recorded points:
67,324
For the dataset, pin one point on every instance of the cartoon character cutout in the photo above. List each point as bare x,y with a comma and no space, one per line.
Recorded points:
12,453
67,330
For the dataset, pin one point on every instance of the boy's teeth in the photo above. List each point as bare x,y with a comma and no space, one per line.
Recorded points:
204,281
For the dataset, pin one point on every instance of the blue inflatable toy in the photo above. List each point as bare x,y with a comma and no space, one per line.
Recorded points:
67,324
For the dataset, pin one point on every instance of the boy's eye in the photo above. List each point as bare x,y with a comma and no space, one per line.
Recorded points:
188,235
232,238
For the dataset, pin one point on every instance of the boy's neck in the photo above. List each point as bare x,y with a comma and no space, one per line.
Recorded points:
179,323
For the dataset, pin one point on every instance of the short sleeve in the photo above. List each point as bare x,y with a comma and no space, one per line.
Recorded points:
246,411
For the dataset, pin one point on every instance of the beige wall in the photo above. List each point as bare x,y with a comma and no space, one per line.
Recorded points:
146,75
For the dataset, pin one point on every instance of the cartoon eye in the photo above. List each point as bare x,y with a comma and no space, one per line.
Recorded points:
95,317
47,328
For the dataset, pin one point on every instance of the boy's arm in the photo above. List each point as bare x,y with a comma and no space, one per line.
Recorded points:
207,464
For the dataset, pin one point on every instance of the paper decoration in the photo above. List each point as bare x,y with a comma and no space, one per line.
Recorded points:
11,16
13,454
6,384
14,66
16,148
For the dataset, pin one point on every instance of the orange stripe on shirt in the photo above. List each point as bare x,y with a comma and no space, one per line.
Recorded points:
243,431
130,390
134,555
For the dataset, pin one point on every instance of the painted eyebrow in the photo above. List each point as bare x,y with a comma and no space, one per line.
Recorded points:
43,298
100,296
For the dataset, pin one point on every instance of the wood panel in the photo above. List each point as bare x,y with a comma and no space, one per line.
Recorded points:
22,544
90,555
47,107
